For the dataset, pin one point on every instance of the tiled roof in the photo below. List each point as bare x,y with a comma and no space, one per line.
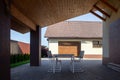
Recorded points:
25,47
75,29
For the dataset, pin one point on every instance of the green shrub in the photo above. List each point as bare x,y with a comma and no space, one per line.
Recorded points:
14,58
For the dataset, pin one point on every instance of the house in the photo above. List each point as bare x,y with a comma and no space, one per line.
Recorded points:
17,47
75,36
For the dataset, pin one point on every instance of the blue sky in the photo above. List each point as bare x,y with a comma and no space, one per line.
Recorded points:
26,37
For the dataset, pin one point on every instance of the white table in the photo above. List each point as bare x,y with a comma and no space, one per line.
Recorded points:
64,56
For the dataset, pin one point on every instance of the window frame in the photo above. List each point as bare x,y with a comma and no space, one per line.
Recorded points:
97,44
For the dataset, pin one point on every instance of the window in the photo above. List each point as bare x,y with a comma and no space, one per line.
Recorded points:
97,44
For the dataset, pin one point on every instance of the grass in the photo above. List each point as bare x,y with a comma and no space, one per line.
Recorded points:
19,63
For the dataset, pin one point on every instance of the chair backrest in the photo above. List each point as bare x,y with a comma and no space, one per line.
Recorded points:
81,54
49,54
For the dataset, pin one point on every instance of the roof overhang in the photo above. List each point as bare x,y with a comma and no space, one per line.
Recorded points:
47,12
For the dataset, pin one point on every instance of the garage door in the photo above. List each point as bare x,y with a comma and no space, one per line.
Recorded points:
69,47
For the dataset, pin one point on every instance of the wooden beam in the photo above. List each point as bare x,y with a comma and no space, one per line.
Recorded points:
17,25
98,15
106,14
109,5
20,16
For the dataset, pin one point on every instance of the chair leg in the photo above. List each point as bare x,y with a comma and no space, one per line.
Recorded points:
76,67
73,67
52,66
59,65
55,66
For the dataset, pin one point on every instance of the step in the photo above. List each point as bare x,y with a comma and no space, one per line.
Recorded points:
114,66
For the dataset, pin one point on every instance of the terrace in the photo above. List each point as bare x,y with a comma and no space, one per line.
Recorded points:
93,70
31,15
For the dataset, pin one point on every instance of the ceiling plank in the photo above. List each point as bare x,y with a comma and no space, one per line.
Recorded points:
109,5
104,19
47,12
18,15
106,14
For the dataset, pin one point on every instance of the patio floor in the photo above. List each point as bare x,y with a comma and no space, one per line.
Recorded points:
93,70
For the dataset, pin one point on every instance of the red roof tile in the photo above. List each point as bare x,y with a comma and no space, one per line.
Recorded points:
25,47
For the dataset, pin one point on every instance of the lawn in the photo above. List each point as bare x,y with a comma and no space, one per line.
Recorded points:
19,63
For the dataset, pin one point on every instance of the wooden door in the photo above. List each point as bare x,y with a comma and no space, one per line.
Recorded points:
69,48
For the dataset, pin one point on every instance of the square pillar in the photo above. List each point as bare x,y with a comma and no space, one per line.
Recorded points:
114,42
35,46
4,41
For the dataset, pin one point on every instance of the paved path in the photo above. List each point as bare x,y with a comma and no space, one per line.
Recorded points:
94,70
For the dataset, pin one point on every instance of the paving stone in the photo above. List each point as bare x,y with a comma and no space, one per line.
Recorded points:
93,70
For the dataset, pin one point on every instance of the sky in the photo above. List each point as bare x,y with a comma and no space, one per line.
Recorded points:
26,37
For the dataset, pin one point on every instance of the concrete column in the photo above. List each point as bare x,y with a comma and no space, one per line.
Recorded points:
114,42
111,38
4,41
105,59
35,47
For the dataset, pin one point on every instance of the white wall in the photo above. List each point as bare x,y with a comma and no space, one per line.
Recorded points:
53,46
86,45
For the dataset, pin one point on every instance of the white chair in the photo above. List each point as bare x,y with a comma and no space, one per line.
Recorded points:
76,63
54,64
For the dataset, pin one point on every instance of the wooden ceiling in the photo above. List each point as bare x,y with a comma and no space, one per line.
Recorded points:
48,12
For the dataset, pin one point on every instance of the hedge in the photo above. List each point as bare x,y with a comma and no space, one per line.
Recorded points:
14,58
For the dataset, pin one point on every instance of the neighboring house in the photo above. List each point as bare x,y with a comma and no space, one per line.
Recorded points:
17,47
75,36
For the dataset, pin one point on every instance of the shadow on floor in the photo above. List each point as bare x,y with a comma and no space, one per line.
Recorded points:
93,70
